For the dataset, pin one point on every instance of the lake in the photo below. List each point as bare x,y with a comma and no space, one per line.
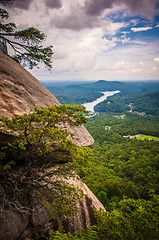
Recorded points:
90,105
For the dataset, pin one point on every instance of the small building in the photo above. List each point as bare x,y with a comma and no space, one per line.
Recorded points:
107,127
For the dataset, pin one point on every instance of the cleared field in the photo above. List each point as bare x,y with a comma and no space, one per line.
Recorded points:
143,137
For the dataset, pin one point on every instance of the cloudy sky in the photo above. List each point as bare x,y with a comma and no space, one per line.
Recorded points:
95,39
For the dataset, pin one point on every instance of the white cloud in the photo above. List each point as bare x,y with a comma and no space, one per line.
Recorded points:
80,50
156,60
85,46
141,29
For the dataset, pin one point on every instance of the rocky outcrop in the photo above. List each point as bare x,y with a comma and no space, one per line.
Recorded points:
82,219
19,92
84,215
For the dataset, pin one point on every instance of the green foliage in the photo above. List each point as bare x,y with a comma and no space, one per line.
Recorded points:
40,157
74,94
147,103
39,132
89,234
85,235
122,166
25,43
132,220
112,105
124,173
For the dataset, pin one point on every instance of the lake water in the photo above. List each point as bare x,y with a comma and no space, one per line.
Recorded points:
90,105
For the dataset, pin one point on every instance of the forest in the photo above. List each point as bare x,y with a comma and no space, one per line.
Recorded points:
123,172
144,103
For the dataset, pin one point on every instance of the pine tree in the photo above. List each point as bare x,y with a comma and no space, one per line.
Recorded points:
26,43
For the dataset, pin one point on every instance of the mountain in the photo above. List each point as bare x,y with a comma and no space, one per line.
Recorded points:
19,92
84,92
109,85
140,102
78,93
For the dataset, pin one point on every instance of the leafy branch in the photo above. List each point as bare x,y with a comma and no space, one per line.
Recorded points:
26,43
39,158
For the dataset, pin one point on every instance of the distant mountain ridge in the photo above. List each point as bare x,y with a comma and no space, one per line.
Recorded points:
78,94
90,91
109,85
129,92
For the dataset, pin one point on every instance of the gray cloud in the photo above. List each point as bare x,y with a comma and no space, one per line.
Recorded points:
22,4
53,3
76,21
146,7
77,15
94,7
89,14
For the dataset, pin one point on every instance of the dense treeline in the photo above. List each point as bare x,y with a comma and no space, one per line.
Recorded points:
119,103
115,104
124,174
143,96
148,103
74,95
123,166
83,92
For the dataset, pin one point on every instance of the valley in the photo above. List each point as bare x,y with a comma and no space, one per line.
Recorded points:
122,167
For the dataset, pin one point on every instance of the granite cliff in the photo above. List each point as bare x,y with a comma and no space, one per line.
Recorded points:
19,92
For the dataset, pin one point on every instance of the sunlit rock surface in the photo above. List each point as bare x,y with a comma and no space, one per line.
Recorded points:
20,92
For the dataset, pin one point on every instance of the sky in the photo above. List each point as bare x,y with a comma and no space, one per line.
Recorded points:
95,39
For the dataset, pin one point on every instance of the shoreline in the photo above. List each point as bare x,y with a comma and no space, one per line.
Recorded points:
90,105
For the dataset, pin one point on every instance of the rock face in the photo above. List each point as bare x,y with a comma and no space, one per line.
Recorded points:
19,92
12,224
84,216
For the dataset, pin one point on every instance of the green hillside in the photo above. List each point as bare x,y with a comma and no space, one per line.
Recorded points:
147,103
